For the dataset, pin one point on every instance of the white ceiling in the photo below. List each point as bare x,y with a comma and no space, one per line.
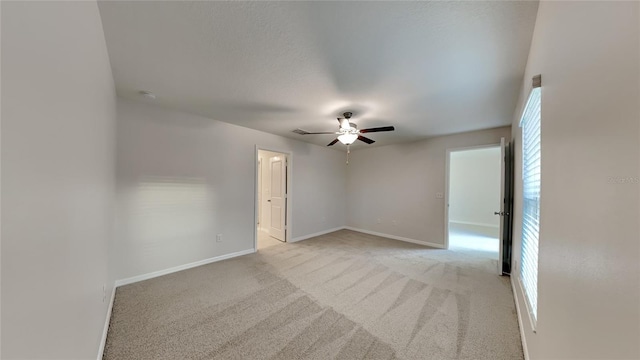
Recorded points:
427,68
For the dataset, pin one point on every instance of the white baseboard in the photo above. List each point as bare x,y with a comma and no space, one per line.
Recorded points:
154,274
394,237
105,330
475,224
523,339
309,236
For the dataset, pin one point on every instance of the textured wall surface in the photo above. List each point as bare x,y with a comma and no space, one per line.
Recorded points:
58,123
589,279
182,179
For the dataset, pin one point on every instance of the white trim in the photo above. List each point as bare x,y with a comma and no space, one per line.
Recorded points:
105,330
319,233
154,274
532,320
523,339
474,223
446,198
394,237
259,195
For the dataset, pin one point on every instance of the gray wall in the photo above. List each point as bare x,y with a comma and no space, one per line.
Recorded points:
589,278
399,183
474,187
182,179
58,118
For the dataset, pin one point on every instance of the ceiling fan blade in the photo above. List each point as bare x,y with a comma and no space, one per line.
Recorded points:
333,142
344,123
365,139
378,129
305,132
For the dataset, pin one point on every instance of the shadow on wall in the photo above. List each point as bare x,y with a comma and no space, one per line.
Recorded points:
165,213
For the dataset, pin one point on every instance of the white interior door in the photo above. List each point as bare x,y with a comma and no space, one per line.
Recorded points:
260,223
502,203
278,199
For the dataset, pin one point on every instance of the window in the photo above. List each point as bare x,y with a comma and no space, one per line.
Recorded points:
530,124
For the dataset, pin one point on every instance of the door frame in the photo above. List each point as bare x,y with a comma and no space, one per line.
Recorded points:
288,223
446,183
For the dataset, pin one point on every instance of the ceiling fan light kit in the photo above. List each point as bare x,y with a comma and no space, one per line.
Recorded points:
348,132
348,138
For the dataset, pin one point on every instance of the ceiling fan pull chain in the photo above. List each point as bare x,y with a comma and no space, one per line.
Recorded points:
348,151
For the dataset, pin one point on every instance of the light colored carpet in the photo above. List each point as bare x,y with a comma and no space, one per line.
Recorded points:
345,295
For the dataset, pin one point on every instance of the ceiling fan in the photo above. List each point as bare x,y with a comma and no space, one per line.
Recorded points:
348,132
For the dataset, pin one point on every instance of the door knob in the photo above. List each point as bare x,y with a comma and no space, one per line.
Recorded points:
498,213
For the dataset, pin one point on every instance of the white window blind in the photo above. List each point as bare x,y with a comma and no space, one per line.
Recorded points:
530,124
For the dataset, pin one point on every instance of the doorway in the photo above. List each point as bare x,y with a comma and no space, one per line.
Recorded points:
473,198
272,200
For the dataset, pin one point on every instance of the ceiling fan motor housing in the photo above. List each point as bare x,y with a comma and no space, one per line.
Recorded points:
348,132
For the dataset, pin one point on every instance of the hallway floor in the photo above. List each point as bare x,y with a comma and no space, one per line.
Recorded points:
265,240
481,240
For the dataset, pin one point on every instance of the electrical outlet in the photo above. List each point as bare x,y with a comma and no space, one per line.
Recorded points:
439,195
378,221
219,238
394,222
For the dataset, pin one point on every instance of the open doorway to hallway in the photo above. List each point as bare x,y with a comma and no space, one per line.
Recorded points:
272,199
474,197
